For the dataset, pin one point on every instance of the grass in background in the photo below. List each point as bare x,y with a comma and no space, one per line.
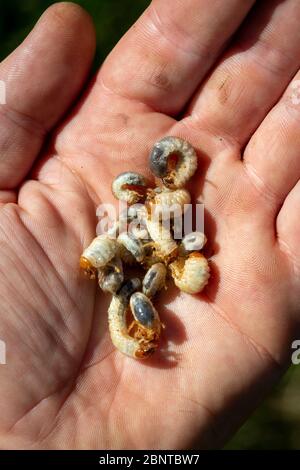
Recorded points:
112,18
276,423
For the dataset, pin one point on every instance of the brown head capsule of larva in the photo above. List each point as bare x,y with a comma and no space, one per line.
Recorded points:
98,254
190,274
146,327
174,161
129,187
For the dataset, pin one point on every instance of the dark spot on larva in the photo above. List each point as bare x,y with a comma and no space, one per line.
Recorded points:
149,279
158,162
128,288
143,312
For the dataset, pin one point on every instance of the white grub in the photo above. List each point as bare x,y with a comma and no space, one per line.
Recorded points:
164,244
133,245
168,204
161,165
98,254
194,241
111,276
144,341
129,187
190,274
155,279
168,197
137,348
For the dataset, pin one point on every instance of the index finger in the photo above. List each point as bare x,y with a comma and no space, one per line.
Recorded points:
165,55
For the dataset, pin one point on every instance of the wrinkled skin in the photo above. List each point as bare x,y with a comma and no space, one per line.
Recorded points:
64,385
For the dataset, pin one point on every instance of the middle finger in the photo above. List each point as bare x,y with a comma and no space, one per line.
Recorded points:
253,73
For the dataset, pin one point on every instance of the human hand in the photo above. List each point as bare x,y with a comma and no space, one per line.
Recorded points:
64,385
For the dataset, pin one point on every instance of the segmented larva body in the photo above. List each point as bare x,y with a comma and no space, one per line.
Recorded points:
145,328
133,245
129,187
161,164
163,241
111,276
168,198
155,279
190,274
98,254
168,204
118,329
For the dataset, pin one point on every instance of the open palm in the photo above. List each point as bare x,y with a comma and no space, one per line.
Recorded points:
64,384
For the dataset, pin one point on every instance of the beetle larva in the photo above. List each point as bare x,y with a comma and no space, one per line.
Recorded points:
173,174
111,276
190,274
164,244
144,343
143,238
146,326
154,280
129,187
168,204
168,197
98,254
133,245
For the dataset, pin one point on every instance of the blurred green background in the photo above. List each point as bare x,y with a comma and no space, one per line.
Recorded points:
276,424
